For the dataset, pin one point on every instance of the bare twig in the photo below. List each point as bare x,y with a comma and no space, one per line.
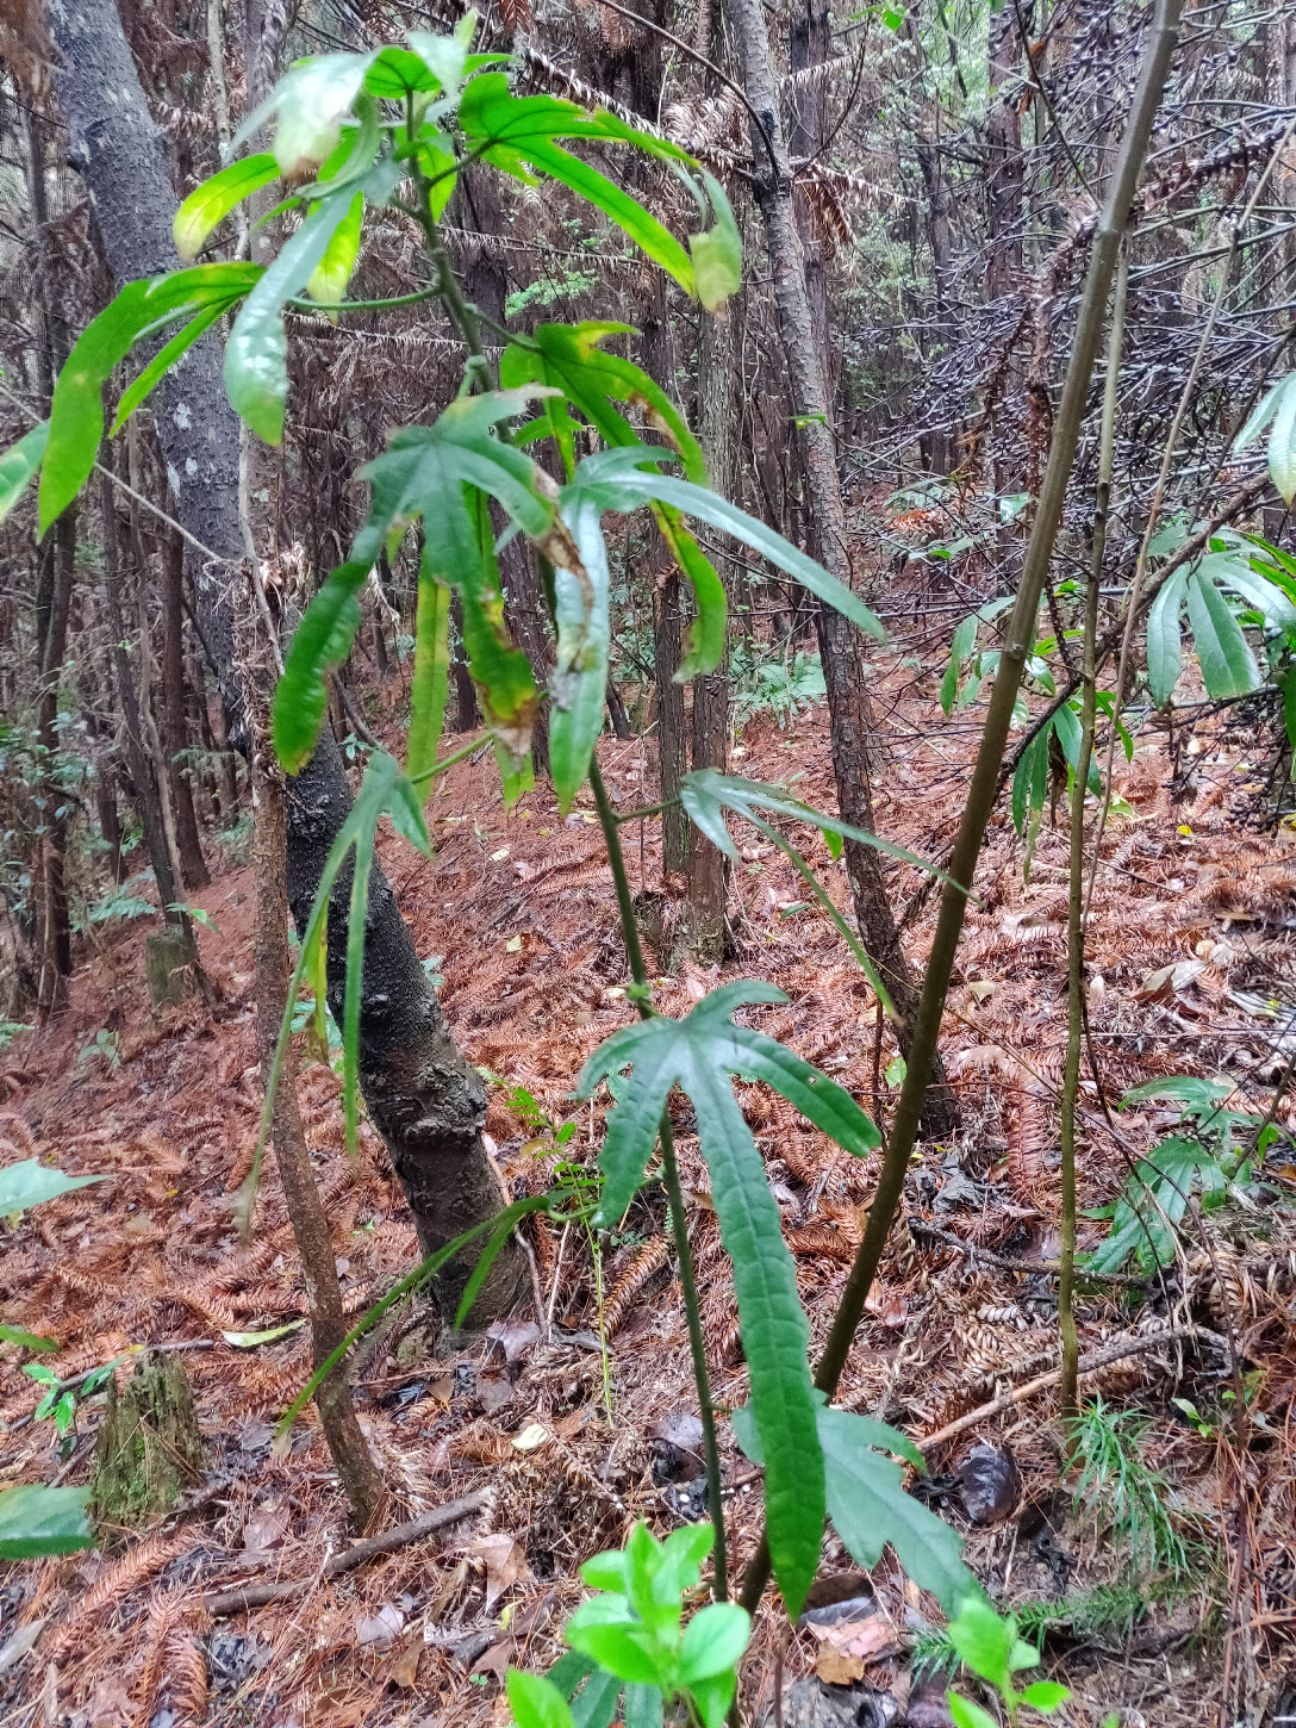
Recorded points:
247,1596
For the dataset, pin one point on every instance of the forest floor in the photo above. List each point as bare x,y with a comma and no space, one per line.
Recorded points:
1191,947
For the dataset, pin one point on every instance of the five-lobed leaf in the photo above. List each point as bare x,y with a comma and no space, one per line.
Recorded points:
441,473
698,1054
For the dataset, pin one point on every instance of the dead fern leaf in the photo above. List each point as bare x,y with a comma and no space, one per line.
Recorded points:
630,1280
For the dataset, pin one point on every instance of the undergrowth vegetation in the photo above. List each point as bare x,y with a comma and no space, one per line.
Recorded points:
740,1295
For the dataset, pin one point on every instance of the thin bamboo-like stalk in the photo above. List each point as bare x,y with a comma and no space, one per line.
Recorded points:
984,786
1076,879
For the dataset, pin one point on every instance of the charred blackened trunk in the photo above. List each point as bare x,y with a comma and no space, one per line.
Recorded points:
423,1097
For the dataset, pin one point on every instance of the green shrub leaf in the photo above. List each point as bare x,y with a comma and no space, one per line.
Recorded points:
19,464
139,309
1228,666
30,1183
36,1521
208,205
697,1054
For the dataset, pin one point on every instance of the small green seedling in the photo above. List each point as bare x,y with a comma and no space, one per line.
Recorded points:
630,1641
59,1403
989,1645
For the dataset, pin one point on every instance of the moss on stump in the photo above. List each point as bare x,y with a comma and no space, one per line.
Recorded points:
169,963
149,1446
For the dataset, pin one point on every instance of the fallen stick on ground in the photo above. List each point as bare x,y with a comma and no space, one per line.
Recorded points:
1096,1359
1049,1268
385,1542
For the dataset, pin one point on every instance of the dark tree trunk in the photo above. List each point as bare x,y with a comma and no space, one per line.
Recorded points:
941,444
147,799
467,714
53,607
850,717
525,610
424,1098
707,872
174,722
668,619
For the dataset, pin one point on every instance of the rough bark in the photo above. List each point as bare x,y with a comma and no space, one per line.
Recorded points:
940,445
850,718
704,925
423,1097
147,801
174,726
347,1445
53,607
668,621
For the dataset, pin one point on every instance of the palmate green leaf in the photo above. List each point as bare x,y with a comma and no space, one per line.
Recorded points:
19,464
519,134
166,357
1277,410
697,1053
775,1332
425,472
709,796
30,1183
625,479
208,205
869,1508
37,1520
578,684
1165,639
138,310
440,165
310,103
430,685
1227,664
867,1502
571,359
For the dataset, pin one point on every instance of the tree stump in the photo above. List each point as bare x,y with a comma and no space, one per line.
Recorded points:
169,962
148,1448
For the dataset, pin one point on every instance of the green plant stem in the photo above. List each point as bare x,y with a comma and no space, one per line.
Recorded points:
674,1189
982,792
299,304
1068,1335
